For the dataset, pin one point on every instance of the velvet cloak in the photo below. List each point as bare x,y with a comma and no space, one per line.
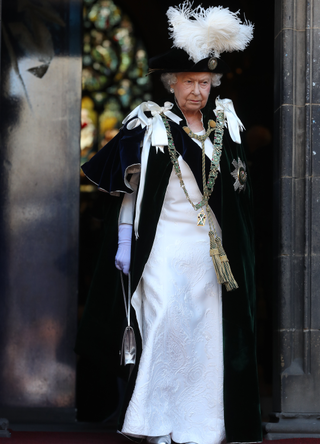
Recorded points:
101,328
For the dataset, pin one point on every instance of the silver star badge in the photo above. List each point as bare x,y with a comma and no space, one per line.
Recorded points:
239,174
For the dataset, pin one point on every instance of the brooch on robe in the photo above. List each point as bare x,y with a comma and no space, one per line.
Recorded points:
239,174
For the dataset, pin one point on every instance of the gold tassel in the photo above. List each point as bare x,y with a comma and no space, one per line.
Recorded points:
228,278
214,253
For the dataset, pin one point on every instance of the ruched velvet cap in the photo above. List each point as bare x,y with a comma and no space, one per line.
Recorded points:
177,60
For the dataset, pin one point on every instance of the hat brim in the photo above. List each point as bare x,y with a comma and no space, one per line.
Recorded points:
177,60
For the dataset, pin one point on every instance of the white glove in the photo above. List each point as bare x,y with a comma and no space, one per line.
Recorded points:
123,256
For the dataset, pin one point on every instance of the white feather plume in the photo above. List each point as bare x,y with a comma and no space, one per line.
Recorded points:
207,32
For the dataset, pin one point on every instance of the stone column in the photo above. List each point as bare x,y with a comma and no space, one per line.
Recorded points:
0,34
296,397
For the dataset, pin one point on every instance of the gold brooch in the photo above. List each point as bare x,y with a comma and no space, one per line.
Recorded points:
240,175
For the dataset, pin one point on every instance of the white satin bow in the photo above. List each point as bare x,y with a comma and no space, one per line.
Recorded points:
156,128
155,135
234,123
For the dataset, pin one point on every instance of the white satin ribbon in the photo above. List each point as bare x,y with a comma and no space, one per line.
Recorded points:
234,123
159,134
155,135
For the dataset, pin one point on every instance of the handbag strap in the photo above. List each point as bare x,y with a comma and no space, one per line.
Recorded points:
127,305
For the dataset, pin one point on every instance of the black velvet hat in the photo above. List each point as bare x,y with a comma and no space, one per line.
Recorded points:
199,37
177,60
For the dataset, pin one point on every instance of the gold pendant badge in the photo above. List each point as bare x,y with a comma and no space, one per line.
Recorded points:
201,218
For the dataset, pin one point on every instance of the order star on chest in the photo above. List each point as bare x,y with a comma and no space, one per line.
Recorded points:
239,174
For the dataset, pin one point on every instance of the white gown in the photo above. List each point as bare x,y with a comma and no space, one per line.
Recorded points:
179,387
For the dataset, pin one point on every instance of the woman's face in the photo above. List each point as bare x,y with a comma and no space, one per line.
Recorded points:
192,90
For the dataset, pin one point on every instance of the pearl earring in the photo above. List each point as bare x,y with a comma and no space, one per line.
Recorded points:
172,90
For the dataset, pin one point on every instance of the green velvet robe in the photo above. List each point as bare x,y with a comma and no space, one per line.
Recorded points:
101,328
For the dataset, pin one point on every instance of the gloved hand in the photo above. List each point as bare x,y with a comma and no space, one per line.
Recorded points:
123,256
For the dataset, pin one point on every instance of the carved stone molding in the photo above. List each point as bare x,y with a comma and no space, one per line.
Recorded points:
297,223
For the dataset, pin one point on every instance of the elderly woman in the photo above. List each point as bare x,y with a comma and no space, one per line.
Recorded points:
182,188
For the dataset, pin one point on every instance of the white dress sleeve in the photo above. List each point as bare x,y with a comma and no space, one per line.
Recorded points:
128,204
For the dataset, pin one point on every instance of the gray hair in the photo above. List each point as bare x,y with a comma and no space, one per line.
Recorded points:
170,78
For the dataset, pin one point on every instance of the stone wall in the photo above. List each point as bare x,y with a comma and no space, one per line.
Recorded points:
297,223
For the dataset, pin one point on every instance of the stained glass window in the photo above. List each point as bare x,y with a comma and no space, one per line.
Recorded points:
114,72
